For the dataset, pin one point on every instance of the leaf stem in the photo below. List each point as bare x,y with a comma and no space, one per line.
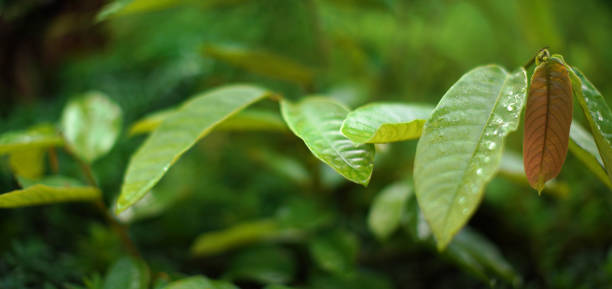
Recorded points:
120,229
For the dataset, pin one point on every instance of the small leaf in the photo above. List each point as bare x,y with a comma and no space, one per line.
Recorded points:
91,125
317,121
127,273
461,145
195,282
583,146
385,122
548,116
179,132
248,120
387,210
41,136
335,252
29,163
246,233
263,63
48,191
266,265
598,115
479,256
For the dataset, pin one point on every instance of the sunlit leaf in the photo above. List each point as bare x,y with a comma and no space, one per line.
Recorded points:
385,122
317,122
246,233
37,137
583,146
29,163
47,191
461,145
199,282
263,63
267,265
597,113
335,252
248,120
387,209
129,7
128,273
91,125
548,115
479,256
179,132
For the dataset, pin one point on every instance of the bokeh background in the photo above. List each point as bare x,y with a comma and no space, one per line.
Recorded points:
156,54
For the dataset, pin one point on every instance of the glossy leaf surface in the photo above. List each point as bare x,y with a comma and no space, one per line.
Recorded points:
385,122
461,145
48,191
127,273
598,115
548,116
317,121
583,146
387,210
179,132
91,125
40,136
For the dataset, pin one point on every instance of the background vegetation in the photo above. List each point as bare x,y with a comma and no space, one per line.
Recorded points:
150,57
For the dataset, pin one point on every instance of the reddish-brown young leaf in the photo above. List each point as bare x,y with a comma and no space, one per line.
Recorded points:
548,116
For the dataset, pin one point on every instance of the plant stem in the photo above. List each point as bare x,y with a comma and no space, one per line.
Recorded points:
119,228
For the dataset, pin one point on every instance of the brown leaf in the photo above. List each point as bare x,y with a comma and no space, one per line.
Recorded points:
548,116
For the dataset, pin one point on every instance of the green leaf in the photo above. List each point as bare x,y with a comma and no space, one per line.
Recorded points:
387,210
47,191
598,115
179,132
385,122
317,121
29,163
246,233
127,273
335,252
461,145
266,265
583,146
41,136
91,125
479,256
195,282
248,120
152,204
263,63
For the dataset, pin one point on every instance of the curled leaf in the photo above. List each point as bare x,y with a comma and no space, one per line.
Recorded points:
548,116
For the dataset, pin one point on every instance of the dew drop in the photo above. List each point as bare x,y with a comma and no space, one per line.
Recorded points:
599,117
491,145
479,171
486,159
461,200
510,107
465,211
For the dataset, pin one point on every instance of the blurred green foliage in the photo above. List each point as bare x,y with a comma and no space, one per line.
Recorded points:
356,51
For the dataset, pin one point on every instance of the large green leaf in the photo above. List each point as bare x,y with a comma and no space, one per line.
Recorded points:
91,125
47,191
248,120
597,113
40,136
387,210
583,146
179,132
242,234
385,122
263,63
317,121
127,273
461,145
